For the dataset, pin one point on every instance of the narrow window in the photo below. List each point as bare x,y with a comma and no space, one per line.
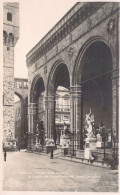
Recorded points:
4,37
9,16
11,39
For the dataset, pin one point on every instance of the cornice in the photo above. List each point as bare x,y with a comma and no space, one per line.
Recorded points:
80,37
62,29
20,79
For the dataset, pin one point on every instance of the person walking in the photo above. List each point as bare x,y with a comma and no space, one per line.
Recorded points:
5,155
51,156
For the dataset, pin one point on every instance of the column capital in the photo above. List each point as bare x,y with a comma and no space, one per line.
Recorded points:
32,108
115,75
32,105
76,89
50,98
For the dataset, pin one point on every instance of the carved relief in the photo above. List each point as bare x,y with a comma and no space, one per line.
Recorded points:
111,26
35,65
45,70
56,49
70,52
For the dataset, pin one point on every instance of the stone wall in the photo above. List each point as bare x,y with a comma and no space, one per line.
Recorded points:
9,27
8,122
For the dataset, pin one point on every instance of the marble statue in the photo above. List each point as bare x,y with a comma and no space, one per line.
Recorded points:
89,120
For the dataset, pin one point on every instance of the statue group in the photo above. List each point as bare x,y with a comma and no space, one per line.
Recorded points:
89,124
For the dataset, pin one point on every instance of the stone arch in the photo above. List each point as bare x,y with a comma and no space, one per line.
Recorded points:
19,95
58,76
81,53
36,79
36,106
93,72
54,72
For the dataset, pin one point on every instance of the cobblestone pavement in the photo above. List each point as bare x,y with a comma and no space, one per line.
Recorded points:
31,172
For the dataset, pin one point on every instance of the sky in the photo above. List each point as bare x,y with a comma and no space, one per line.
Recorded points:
36,19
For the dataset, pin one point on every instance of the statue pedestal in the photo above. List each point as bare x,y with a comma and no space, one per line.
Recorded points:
90,144
100,144
87,153
65,141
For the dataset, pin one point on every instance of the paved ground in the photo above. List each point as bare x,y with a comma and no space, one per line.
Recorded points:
31,172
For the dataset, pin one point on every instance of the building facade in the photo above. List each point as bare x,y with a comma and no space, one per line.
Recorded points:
21,112
79,53
10,38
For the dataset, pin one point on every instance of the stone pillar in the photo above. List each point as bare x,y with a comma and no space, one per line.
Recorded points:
115,109
50,116
24,121
31,124
76,115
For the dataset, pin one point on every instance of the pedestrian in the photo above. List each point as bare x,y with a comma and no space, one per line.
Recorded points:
5,154
51,156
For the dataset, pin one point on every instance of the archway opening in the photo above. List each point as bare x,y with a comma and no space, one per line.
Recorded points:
58,87
37,99
96,84
62,112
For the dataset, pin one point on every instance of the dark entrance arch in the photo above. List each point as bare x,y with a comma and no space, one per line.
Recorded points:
97,84
93,73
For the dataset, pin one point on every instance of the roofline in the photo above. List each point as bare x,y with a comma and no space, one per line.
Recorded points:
54,27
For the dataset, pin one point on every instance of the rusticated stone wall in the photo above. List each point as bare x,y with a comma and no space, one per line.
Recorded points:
10,37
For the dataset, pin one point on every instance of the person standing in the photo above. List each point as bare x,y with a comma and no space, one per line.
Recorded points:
51,156
5,155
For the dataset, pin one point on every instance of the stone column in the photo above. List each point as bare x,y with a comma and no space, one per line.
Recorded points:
31,124
50,116
115,109
76,115
24,120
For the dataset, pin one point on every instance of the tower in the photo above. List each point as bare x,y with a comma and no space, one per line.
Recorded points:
10,38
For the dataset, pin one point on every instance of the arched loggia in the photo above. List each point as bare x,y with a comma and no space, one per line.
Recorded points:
59,76
93,73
